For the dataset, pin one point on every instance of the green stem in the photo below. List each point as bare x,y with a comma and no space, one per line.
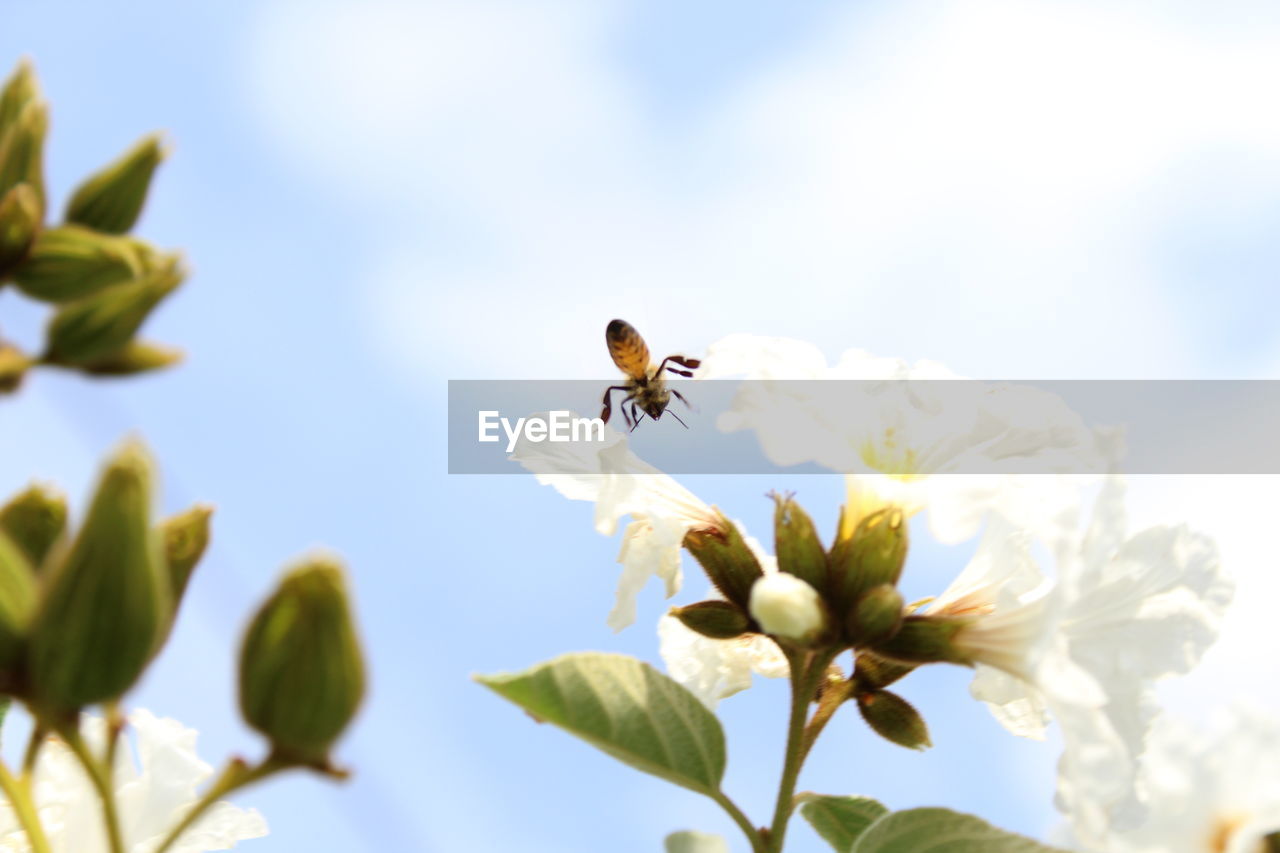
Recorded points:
807,671
100,777
753,834
237,775
34,745
19,793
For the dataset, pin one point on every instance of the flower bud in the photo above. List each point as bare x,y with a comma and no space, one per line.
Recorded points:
17,601
800,551
728,562
19,90
22,151
874,555
19,222
107,595
872,671
924,639
136,357
301,668
100,326
71,262
787,607
34,520
14,365
719,620
894,719
112,199
183,538
877,615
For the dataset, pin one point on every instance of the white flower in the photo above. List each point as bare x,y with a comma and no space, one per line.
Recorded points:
893,437
1213,791
153,795
786,606
621,484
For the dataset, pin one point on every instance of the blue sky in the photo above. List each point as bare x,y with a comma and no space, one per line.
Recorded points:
378,197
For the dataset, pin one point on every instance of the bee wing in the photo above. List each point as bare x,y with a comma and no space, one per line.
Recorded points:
627,349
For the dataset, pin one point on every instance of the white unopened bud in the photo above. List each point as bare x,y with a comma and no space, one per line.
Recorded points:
787,607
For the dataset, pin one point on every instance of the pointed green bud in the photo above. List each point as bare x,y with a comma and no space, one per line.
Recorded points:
71,262
728,562
894,719
301,668
22,151
19,223
875,672
97,327
18,595
13,367
719,620
107,595
787,607
924,639
800,551
184,538
34,520
877,615
112,199
19,90
136,357
874,555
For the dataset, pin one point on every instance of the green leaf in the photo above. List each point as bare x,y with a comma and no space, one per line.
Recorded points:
695,842
840,820
942,831
627,709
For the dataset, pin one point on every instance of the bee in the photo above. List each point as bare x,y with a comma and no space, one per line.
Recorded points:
646,389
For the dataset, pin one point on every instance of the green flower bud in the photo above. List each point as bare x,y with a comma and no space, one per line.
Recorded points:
800,551
719,620
183,538
19,90
924,639
71,262
872,671
17,601
100,326
894,719
22,151
1270,843
874,555
301,668
34,520
728,562
13,367
877,615
112,199
19,223
136,357
106,598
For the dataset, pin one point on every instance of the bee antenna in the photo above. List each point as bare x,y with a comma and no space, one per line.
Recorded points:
677,417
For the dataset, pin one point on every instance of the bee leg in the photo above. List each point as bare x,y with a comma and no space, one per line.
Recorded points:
680,397
608,408
635,416
691,363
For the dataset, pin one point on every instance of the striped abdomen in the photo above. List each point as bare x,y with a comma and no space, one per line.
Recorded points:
627,349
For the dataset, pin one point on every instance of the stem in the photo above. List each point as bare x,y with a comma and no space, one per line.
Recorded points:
100,776
807,670
19,793
34,745
237,775
753,834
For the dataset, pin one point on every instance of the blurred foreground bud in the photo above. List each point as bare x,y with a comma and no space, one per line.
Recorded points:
22,151
874,555
183,538
100,326
719,620
877,615
112,199
19,90
19,223
107,596
728,562
136,357
894,719
71,262
301,667
871,671
786,606
17,600
13,367
34,520
800,551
